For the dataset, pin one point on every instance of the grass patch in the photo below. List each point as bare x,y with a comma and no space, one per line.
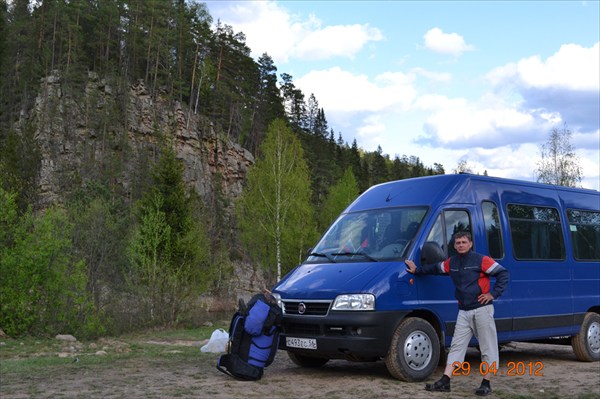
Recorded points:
29,355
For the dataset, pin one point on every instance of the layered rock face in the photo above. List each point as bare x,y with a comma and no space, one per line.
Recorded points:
79,137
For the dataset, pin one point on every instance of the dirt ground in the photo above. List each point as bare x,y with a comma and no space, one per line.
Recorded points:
193,375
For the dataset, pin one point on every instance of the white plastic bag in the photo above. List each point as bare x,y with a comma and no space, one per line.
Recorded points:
217,342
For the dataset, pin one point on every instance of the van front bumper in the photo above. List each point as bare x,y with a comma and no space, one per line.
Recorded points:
351,335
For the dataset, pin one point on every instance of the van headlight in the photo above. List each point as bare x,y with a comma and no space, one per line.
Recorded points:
354,302
278,299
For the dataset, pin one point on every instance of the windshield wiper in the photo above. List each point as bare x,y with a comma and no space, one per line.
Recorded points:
372,259
324,255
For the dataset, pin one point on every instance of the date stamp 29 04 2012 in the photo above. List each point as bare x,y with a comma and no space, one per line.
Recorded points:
512,369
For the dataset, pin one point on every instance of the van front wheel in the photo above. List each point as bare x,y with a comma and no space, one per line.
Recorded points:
586,344
414,351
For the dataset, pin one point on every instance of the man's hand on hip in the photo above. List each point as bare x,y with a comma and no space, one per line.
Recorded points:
485,298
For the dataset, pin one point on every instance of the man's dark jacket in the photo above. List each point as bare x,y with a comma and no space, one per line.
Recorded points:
471,276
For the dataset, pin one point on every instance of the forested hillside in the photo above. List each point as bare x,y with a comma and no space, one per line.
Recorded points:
133,138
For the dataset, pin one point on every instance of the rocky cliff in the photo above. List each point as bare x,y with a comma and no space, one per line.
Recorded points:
113,131
80,136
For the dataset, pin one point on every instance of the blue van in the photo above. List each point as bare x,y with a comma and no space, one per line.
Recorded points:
353,299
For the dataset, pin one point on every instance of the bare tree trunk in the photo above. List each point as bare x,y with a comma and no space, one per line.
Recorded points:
192,88
53,43
219,64
71,41
278,205
198,91
149,49
156,70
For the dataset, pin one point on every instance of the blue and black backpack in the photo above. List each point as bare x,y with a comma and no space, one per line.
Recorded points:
253,338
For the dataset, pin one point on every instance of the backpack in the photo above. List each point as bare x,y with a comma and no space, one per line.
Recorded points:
253,338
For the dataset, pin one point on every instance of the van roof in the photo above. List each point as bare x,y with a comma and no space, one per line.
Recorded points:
451,188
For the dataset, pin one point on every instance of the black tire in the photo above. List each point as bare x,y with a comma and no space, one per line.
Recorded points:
414,352
586,344
307,361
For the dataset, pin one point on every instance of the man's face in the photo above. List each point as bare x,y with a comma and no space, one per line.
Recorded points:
462,245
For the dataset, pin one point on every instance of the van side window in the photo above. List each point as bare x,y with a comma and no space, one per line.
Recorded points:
536,232
446,224
585,234
493,233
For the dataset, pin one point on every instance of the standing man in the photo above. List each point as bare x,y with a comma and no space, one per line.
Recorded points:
470,273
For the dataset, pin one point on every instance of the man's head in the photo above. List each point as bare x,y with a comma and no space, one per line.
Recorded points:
463,242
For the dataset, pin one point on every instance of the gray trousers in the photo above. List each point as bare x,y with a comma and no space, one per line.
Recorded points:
478,322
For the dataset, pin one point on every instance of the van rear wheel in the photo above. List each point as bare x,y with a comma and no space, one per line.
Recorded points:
586,344
414,351
307,361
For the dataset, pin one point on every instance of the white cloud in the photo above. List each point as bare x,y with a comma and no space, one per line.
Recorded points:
506,161
435,102
589,141
589,161
565,84
445,43
371,130
269,27
338,90
572,66
331,41
438,77
487,122
532,97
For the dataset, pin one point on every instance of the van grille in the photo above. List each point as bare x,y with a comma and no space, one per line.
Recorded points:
311,308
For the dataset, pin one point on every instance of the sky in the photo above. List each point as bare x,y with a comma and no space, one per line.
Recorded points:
481,82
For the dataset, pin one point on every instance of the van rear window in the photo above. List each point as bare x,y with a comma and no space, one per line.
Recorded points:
536,232
585,234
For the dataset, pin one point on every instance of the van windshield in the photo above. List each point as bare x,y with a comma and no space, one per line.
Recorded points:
369,236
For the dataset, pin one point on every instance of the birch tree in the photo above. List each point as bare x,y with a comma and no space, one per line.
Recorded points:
559,165
276,218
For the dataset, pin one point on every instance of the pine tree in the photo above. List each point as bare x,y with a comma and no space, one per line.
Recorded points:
268,104
169,251
19,165
400,169
339,197
100,226
293,99
379,170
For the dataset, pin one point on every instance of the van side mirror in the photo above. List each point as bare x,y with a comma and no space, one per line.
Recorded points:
432,253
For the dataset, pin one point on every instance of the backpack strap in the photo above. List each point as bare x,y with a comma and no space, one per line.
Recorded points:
274,319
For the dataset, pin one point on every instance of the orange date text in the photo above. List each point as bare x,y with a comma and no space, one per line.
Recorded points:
512,369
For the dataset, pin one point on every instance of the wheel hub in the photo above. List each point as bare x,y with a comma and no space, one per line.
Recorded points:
593,337
417,350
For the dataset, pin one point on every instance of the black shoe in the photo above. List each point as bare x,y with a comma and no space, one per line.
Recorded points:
483,390
438,386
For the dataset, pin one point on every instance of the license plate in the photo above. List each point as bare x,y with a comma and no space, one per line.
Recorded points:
302,343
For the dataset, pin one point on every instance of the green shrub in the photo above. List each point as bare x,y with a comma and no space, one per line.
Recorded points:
42,287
